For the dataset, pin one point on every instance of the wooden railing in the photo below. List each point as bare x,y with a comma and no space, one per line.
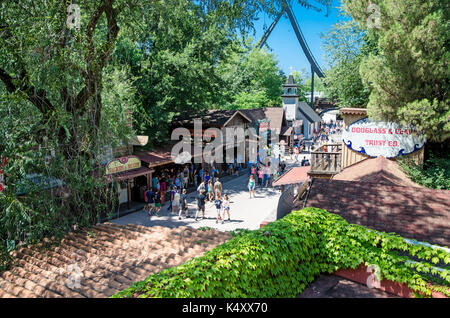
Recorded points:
328,161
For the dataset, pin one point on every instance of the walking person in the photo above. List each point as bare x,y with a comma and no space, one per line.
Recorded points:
176,201
218,204
210,190
149,198
184,204
200,204
218,188
251,186
226,207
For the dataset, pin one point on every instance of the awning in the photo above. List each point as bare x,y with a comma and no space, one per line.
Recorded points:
293,176
130,174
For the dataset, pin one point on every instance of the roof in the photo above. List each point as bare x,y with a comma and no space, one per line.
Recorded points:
111,257
353,111
423,215
156,157
274,114
378,170
293,176
132,173
308,112
213,117
290,82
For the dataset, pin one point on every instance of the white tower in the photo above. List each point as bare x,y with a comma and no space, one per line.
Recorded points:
290,99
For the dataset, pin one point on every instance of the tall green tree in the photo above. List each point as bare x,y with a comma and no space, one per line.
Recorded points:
409,77
253,79
346,45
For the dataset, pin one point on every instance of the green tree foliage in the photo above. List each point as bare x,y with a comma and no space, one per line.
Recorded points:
409,77
252,79
346,45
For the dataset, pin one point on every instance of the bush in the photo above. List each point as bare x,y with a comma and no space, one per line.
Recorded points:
280,260
434,173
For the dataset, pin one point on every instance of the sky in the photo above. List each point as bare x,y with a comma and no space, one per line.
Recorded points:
283,42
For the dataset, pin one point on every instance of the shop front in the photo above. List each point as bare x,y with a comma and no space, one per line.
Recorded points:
131,179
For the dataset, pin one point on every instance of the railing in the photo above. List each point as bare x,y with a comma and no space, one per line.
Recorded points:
328,161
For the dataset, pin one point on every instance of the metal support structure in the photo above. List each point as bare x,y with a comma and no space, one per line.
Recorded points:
312,87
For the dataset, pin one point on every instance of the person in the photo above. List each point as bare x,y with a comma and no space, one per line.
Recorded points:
207,177
251,186
201,186
307,163
149,198
218,204
163,187
178,182
282,166
267,170
186,176
253,171
303,161
169,208
176,201
201,204
218,188
157,201
226,207
154,182
200,173
231,168
214,174
260,176
210,190
184,204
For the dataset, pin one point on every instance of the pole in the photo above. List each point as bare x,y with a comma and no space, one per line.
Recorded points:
312,87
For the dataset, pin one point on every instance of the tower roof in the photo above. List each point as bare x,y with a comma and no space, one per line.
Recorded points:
290,82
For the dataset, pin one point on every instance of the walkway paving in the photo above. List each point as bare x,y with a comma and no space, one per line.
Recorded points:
246,213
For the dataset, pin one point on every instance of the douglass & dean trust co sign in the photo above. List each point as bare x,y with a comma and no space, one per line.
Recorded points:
385,139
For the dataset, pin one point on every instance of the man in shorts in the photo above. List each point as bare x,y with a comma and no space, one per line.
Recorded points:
201,197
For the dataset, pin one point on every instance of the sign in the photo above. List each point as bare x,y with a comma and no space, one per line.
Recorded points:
123,164
386,139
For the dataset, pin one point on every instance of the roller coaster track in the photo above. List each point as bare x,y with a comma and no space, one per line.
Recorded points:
286,8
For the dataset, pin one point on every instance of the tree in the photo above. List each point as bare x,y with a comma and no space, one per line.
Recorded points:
346,45
252,78
409,77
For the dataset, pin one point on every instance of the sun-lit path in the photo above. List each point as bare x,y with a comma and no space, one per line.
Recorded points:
246,213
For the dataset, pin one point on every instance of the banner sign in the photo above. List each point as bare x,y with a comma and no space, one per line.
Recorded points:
123,164
386,139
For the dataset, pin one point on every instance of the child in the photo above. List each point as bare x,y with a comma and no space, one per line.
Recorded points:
226,207
218,203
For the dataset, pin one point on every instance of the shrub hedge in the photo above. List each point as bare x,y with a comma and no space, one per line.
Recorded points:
280,260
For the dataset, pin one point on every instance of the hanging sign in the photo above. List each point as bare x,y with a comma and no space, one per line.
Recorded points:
386,139
123,164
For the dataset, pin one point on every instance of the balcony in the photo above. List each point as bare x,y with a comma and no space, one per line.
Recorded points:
326,163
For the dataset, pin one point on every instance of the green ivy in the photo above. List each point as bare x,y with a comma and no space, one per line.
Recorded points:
281,259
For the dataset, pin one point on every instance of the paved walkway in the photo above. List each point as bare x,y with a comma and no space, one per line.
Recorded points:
246,213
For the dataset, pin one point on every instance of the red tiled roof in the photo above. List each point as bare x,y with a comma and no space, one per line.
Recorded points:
421,214
294,175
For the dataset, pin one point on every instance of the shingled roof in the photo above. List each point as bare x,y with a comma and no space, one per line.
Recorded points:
103,260
375,194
